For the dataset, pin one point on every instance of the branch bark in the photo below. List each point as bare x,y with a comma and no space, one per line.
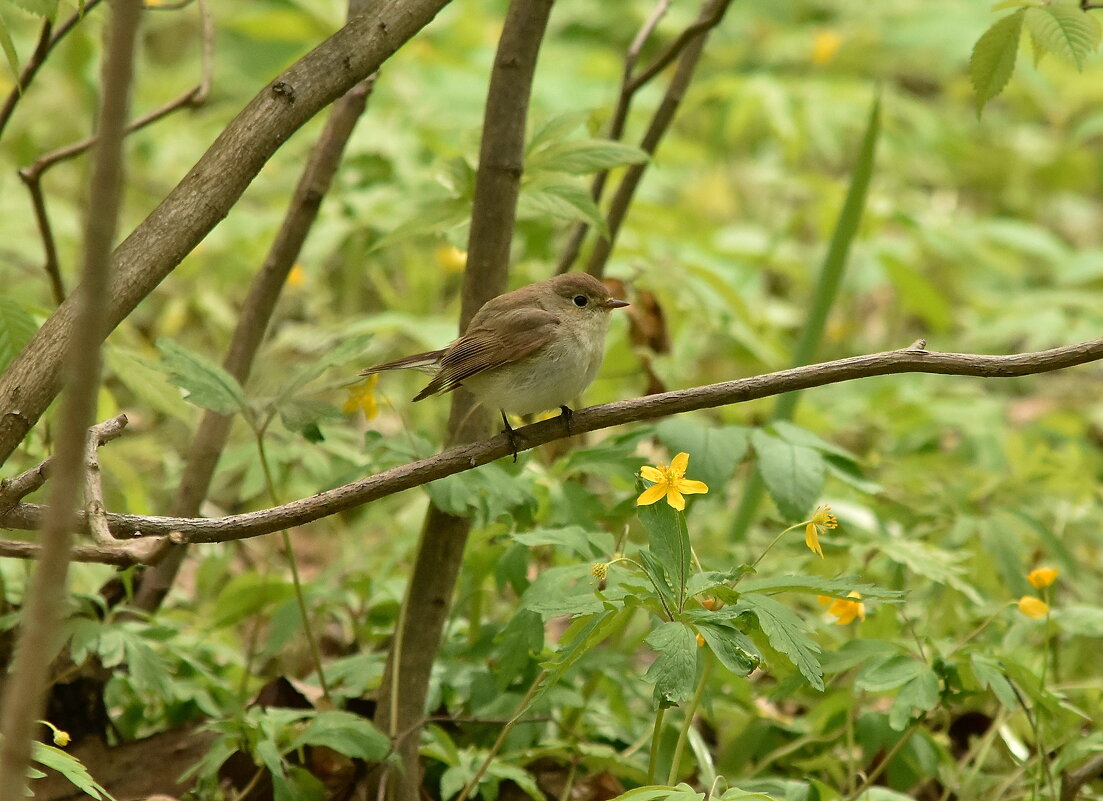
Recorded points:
42,609
256,312
594,418
207,193
402,696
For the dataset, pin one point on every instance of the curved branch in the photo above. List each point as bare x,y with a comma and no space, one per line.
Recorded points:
456,460
208,192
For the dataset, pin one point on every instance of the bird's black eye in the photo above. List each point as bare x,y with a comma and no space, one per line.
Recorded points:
581,300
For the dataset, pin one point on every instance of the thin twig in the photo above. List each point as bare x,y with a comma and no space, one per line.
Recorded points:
16,488
206,194
1073,780
711,15
31,175
466,457
47,41
25,689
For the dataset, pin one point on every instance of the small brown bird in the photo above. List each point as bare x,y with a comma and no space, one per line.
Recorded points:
526,351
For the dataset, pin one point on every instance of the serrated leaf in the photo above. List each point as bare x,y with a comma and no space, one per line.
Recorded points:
891,673
992,676
731,646
46,9
674,671
575,539
787,633
17,326
521,637
668,542
555,129
206,384
562,590
581,156
662,792
71,768
993,58
793,474
920,693
563,201
838,587
715,451
346,733
1065,31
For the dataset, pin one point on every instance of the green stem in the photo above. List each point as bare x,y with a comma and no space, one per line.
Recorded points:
656,734
315,653
494,749
877,771
683,735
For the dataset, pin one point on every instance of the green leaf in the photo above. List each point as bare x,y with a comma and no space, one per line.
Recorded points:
992,676
491,491
71,768
714,451
793,474
564,590
787,633
206,384
1065,31
563,201
517,643
932,563
1085,621
663,792
889,674
711,579
583,635
47,9
555,128
16,329
346,733
674,671
838,587
731,646
8,47
993,58
668,541
246,594
573,539
921,693
581,156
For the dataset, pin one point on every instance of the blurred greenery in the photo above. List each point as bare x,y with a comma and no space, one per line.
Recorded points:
978,234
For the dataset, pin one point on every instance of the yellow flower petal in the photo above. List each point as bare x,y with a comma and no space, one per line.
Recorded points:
812,539
652,474
690,487
651,494
675,499
1042,577
679,464
1034,608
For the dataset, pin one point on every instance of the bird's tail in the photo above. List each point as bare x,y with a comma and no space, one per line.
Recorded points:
429,359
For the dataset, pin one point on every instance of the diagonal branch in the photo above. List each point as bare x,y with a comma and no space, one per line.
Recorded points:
465,457
208,192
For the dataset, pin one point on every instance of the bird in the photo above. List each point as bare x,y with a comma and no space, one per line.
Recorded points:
525,351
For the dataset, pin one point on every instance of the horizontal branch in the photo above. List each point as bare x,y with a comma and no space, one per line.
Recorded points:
456,460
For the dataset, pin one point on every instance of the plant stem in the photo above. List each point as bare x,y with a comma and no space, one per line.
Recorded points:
315,653
683,735
656,731
877,771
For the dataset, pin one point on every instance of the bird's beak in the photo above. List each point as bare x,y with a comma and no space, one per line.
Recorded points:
613,303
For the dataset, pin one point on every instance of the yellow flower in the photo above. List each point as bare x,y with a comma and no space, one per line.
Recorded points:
1034,608
822,519
843,609
1042,577
669,482
297,277
61,738
362,396
825,44
450,258
700,640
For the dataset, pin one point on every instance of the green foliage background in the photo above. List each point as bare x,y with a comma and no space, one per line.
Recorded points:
979,235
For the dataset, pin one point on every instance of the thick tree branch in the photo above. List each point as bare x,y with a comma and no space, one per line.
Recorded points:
594,418
402,696
208,192
42,608
256,312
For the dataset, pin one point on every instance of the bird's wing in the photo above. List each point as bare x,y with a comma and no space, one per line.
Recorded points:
513,335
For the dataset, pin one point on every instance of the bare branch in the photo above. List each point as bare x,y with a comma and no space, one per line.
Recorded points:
256,312
121,554
15,489
1072,781
594,418
32,174
208,192
42,609
47,41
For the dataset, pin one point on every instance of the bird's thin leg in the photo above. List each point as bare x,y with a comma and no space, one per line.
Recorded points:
567,415
511,434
